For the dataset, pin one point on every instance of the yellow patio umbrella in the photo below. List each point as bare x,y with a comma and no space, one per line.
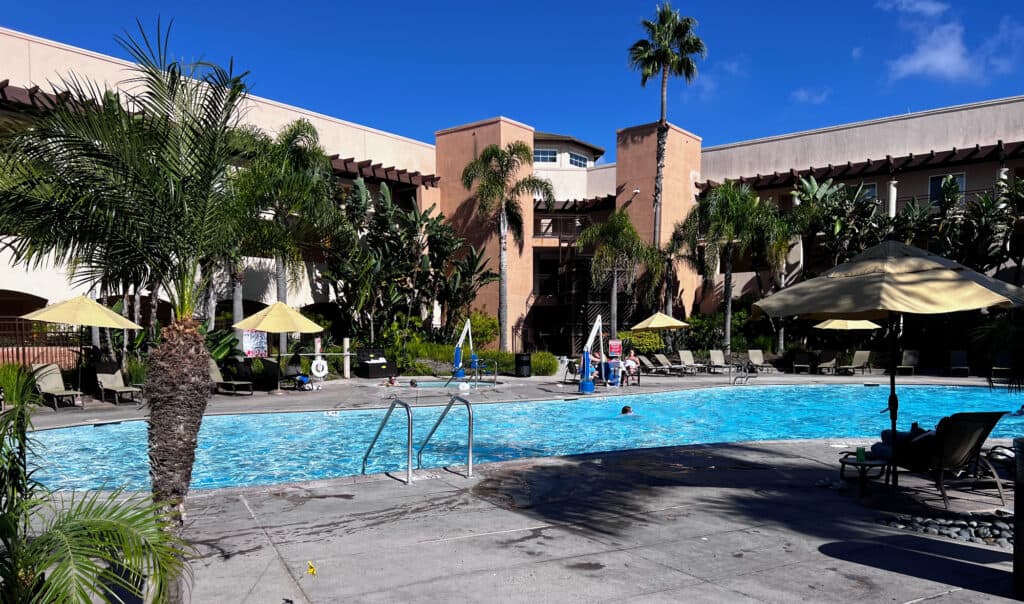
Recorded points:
885,282
659,321
279,318
846,325
81,311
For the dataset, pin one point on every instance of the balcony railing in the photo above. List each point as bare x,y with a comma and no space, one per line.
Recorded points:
559,226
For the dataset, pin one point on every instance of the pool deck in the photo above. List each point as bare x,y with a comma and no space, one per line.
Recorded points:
706,523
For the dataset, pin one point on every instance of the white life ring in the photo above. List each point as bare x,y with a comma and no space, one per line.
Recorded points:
318,368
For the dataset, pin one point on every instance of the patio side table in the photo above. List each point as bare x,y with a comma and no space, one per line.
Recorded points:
863,469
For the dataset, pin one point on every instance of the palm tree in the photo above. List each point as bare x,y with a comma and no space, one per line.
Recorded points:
725,224
88,547
133,187
498,191
669,49
288,179
618,251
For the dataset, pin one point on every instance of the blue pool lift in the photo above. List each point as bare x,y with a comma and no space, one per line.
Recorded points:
586,383
458,369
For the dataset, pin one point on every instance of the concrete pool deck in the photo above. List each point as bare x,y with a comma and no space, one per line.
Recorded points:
707,523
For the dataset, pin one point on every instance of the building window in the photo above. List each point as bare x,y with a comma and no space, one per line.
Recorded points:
868,191
935,185
578,160
545,272
545,156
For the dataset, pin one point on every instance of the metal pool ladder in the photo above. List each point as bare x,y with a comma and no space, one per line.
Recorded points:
469,450
408,438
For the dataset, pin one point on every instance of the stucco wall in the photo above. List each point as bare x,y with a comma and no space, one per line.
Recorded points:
940,129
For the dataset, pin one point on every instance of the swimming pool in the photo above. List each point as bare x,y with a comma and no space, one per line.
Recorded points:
262,449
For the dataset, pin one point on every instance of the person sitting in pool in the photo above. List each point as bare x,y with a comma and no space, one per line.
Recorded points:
627,410
413,383
391,381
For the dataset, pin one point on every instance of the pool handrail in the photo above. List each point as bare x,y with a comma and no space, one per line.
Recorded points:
408,445
469,452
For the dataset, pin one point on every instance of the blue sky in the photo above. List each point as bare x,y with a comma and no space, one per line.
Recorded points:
416,67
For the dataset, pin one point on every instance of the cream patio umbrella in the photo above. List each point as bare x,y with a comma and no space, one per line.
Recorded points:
847,325
81,311
884,282
659,321
279,318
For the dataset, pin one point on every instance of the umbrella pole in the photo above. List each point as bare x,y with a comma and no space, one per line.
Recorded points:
280,372
894,402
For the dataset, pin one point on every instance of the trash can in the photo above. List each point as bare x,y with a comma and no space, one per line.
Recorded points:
523,365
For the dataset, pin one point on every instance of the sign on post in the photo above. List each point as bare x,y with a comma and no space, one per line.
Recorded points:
254,343
615,348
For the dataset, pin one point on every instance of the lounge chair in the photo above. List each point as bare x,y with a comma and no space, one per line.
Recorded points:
954,449
827,362
958,362
910,360
667,365
716,360
51,386
756,357
114,382
219,383
571,370
648,366
1003,362
861,359
686,359
801,360
630,373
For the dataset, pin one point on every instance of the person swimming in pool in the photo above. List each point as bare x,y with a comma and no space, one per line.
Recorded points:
627,410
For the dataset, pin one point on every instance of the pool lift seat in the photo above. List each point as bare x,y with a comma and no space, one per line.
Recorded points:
469,421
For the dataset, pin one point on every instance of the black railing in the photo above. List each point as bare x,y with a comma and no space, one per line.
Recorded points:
29,343
559,226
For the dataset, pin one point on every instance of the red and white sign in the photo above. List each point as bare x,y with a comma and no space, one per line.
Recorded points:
615,348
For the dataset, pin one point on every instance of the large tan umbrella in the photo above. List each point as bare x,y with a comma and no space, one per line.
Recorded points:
659,321
279,318
81,311
885,282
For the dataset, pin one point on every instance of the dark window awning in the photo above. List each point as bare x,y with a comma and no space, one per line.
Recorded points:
604,202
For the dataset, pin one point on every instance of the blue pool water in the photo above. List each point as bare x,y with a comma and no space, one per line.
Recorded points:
261,449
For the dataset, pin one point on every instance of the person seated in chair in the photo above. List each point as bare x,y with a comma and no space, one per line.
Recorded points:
913,450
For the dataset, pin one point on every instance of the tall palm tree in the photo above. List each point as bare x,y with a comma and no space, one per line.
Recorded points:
498,189
725,224
618,251
288,179
87,548
130,187
670,49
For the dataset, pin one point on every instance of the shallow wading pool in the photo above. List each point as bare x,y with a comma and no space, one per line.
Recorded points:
273,448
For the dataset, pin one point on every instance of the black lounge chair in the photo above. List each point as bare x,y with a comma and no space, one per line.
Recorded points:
572,370
958,362
911,359
827,364
954,450
801,360
861,360
1003,363
232,386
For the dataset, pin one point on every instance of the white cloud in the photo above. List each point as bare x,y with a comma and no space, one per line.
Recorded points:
939,53
731,67
1004,50
702,89
856,52
811,95
926,8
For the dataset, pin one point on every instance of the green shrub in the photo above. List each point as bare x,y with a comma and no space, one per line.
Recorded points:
307,365
543,363
135,371
257,366
417,368
644,342
506,360
485,328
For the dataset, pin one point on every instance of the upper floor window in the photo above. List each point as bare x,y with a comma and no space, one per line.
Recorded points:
578,160
935,184
545,156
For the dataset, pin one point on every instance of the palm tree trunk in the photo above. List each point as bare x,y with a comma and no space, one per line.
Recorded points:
782,285
670,287
659,175
237,307
154,306
503,281
282,295
211,306
727,268
124,332
614,304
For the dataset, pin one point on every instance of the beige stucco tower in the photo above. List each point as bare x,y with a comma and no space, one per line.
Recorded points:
456,147
636,151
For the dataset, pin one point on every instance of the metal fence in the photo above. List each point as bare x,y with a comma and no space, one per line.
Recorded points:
33,343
